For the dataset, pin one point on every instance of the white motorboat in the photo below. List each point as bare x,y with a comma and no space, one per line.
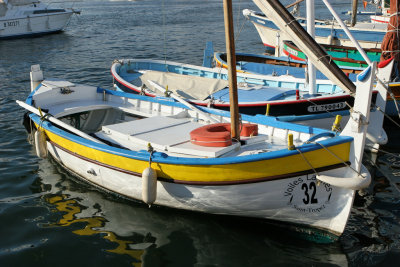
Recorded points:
20,18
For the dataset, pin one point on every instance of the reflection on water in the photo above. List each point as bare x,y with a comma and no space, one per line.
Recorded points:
153,237
372,235
92,226
156,236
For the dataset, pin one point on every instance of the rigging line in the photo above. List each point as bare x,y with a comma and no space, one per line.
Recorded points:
238,22
380,169
238,16
164,35
384,151
337,157
386,115
241,28
306,160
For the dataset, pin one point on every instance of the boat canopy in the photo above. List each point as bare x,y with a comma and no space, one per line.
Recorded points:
186,86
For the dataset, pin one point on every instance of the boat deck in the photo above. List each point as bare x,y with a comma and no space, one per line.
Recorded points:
172,136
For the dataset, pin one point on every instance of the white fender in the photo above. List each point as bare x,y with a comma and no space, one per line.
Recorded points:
40,143
347,179
149,186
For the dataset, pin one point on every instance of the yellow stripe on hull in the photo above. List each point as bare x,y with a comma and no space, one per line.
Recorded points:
213,173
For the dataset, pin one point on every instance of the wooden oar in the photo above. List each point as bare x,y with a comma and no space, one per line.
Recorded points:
57,121
183,101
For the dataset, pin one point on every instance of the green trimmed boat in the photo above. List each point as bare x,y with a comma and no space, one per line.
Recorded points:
343,56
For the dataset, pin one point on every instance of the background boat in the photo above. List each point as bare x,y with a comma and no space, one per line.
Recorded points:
19,18
369,35
343,56
271,65
255,91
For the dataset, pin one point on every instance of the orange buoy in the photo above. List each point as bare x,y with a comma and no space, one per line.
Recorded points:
219,134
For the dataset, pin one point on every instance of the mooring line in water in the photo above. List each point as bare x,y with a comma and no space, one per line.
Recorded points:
386,115
383,151
380,169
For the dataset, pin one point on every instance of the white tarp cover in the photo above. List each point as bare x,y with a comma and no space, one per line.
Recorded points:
189,87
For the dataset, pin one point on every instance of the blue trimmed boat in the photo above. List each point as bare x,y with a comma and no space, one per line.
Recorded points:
369,35
271,65
285,93
146,148
184,156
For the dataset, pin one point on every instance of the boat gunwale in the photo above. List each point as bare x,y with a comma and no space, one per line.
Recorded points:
162,157
300,81
321,25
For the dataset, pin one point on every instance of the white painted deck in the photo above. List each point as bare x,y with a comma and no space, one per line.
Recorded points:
165,134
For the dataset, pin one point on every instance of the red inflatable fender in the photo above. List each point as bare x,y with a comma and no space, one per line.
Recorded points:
219,134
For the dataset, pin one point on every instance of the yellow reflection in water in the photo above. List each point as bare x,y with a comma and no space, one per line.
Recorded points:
92,225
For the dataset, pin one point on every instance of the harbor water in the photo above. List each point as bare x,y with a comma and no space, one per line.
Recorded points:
48,217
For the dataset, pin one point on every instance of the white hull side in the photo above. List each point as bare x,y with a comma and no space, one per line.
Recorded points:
273,38
278,200
34,25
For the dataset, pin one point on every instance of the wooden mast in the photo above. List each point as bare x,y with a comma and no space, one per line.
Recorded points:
231,60
354,13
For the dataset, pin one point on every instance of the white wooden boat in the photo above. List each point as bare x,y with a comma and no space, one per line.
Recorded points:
181,156
368,34
104,136
20,18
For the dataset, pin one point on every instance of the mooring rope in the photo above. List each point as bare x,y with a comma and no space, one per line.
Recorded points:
164,35
386,115
306,160
337,157
380,169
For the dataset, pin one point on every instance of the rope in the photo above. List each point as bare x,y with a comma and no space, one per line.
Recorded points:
150,149
387,116
337,157
327,55
290,22
164,34
388,51
384,151
380,169
306,160
241,28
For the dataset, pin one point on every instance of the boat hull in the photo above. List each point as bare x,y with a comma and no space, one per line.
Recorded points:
342,56
299,200
250,102
34,25
369,37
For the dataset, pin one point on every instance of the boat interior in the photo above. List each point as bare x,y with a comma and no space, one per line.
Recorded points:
132,123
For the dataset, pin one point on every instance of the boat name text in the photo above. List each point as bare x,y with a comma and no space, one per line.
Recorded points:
325,107
306,194
13,23
291,51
